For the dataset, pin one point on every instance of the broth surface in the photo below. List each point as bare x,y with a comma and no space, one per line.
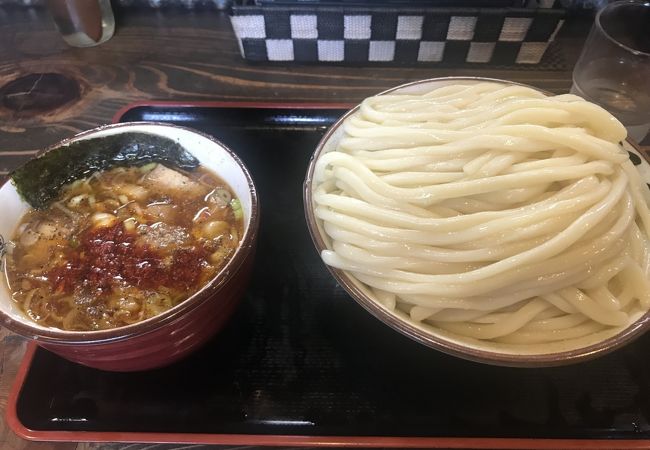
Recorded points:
122,246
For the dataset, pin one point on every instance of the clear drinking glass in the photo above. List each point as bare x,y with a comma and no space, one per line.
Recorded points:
83,23
614,67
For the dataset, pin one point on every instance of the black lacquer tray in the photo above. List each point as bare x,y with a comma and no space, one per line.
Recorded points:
300,363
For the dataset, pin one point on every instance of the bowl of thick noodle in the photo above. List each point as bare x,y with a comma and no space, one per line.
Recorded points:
486,219
126,247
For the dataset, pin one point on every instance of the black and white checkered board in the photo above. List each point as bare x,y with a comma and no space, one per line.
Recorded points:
442,35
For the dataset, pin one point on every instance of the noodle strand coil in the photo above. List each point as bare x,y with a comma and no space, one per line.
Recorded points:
491,213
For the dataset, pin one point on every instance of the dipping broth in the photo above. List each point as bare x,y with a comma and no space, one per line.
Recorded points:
122,246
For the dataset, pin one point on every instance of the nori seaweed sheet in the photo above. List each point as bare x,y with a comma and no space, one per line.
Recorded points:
40,180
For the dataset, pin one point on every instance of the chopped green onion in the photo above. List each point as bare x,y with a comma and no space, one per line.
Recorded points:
148,167
235,204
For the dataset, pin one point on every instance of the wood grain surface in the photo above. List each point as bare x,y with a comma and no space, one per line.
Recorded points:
180,55
167,55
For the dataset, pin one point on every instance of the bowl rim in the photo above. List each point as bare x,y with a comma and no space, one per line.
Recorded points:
633,331
221,278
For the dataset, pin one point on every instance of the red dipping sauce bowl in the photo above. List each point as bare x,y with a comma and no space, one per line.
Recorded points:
175,333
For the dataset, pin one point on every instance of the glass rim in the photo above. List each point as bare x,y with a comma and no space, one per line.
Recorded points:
617,4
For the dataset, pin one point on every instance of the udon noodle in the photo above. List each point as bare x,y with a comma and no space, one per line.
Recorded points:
490,212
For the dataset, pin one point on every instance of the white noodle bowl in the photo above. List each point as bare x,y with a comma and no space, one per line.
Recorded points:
488,214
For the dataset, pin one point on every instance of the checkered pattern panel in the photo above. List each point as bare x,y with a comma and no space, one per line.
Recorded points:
222,4
489,35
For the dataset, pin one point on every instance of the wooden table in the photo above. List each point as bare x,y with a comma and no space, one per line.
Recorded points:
173,55
178,56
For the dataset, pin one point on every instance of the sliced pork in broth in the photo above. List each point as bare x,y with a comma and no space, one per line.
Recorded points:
122,246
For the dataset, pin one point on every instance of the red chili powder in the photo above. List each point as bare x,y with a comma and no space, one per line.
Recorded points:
107,255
